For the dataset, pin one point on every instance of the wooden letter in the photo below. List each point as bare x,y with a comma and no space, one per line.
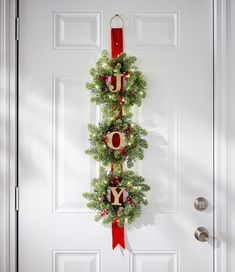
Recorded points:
116,140
118,84
116,195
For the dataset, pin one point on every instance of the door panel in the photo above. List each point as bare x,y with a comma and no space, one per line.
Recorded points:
60,41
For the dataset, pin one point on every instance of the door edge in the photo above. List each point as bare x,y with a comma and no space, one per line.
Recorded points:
8,155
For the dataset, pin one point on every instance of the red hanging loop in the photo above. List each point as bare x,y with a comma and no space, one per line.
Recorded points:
116,41
116,37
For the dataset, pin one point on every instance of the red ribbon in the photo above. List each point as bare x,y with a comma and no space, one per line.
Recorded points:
117,48
116,41
118,235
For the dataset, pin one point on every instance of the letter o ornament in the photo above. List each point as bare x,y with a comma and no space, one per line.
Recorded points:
116,140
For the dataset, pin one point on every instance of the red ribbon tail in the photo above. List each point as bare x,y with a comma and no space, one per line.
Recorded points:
118,235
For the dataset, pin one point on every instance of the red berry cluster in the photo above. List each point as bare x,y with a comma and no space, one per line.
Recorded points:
103,77
123,151
121,100
104,212
105,139
127,131
126,74
115,180
129,200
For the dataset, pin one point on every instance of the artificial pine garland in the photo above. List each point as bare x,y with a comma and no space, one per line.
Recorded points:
116,118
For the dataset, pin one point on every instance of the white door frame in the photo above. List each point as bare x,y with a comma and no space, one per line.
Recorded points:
8,139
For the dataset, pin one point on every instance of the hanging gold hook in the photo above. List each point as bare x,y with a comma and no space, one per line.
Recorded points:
116,16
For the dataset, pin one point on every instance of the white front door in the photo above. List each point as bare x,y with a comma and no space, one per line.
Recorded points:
60,41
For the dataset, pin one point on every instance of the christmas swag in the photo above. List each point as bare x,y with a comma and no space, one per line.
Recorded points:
117,85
